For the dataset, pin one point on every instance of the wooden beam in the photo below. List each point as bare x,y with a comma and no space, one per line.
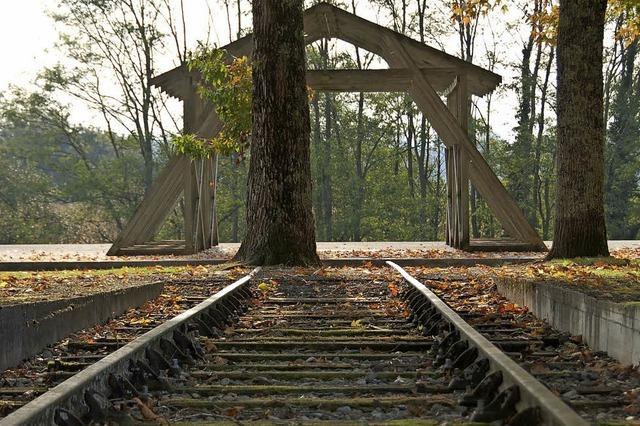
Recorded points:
458,103
485,181
193,108
371,36
214,238
210,126
449,227
383,80
154,208
327,21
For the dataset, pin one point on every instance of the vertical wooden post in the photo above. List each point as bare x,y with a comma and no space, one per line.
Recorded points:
190,125
458,169
201,228
213,240
451,196
205,236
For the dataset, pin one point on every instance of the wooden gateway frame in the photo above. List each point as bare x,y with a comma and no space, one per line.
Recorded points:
416,68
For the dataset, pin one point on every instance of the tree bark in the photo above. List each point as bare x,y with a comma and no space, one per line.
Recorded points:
411,132
579,223
280,226
537,179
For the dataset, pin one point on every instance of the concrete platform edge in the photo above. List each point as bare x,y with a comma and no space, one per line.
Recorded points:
26,329
604,325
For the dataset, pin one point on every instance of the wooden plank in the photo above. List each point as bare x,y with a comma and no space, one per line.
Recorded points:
325,20
371,36
448,159
383,80
198,237
190,112
207,236
158,208
214,238
458,103
463,204
153,251
500,245
154,208
205,205
485,181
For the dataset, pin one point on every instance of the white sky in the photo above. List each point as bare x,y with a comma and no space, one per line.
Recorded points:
26,34
28,44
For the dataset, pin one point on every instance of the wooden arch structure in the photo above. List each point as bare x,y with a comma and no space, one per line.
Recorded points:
414,67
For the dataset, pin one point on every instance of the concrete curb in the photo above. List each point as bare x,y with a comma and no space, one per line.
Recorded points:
28,328
337,262
604,325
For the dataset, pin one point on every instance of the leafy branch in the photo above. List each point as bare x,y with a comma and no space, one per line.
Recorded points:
228,86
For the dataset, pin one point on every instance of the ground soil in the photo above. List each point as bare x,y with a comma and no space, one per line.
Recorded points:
612,279
28,287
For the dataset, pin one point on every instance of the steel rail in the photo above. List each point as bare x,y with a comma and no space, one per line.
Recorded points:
70,394
532,393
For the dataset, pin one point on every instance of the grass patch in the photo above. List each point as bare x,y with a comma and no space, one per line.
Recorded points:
24,287
139,271
606,278
74,273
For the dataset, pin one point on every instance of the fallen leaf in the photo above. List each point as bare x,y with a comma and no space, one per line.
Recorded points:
148,413
218,360
210,346
233,412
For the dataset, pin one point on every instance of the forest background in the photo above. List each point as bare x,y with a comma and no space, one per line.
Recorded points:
377,165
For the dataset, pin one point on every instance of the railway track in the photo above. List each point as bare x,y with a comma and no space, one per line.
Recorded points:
295,350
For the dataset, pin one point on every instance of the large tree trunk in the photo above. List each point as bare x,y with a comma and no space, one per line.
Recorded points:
579,224
280,226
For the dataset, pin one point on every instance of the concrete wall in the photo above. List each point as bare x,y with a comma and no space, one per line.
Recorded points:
26,329
604,325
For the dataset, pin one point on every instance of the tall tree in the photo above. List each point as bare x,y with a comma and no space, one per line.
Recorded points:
111,49
579,222
280,227
622,163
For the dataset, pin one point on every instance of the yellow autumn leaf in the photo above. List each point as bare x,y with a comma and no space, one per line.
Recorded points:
264,287
140,321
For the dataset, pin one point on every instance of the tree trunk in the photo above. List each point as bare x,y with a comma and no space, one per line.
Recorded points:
537,179
411,131
521,176
359,190
280,227
327,194
579,223
422,155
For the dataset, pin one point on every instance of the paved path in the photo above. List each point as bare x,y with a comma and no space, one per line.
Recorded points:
97,252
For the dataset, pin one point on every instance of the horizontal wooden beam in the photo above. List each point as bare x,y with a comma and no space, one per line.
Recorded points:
382,80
